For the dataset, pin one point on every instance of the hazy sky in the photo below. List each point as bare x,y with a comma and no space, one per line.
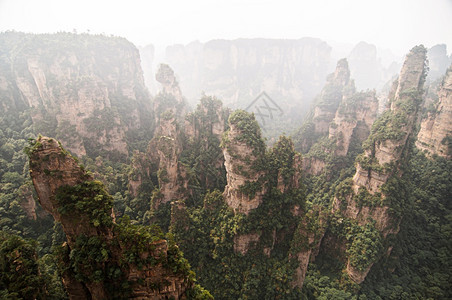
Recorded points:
394,24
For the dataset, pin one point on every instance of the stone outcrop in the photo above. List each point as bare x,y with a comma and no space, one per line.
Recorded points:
383,151
338,85
204,130
324,109
60,184
243,150
385,146
435,135
28,202
171,152
86,90
306,243
438,61
164,150
243,242
340,116
170,97
353,119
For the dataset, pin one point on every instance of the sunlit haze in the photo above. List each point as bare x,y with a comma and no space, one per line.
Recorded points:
392,24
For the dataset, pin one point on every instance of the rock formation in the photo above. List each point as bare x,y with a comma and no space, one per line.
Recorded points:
164,150
325,106
435,135
185,157
438,61
353,119
306,242
362,199
86,90
204,130
340,116
388,139
170,97
338,85
103,254
243,150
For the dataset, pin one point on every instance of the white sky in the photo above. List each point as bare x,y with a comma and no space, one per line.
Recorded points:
393,24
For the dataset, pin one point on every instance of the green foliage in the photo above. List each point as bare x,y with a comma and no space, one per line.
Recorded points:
89,200
250,188
20,278
88,258
365,245
137,239
202,155
420,260
394,124
364,198
249,131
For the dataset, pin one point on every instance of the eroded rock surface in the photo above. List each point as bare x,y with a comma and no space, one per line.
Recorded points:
364,202
84,210
435,135
243,152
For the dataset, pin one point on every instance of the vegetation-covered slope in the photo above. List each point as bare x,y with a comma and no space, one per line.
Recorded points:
253,222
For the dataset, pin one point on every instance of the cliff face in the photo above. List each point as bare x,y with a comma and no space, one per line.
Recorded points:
388,138
306,242
338,85
164,150
204,129
97,266
325,106
86,90
341,116
435,135
438,61
170,97
364,199
243,152
353,119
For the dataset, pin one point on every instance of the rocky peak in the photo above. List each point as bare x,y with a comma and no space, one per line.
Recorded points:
209,118
93,258
341,75
164,150
435,135
166,77
413,73
364,65
353,119
170,98
325,105
438,61
76,87
243,150
361,199
391,131
204,130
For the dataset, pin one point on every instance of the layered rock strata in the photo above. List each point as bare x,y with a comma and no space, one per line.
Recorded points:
86,90
435,135
243,151
353,119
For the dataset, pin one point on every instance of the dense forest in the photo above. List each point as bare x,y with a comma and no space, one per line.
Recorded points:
354,205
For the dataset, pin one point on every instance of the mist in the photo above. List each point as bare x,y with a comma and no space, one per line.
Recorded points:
394,25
